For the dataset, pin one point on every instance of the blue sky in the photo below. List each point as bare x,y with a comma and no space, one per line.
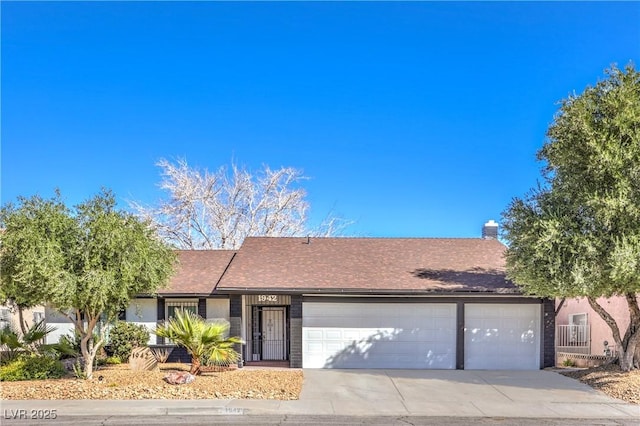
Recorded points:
412,119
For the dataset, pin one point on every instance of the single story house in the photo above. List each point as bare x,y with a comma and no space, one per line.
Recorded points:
413,303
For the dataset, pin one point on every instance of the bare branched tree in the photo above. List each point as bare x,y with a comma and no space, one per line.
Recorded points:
219,210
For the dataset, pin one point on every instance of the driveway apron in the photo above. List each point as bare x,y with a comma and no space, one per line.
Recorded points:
457,393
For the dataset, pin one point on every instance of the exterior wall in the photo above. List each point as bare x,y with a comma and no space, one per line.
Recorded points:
218,308
63,325
202,308
143,312
12,320
160,315
548,334
179,354
209,308
235,318
295,330
600,331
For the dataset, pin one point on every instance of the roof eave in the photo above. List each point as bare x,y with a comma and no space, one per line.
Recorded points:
334,291
184,294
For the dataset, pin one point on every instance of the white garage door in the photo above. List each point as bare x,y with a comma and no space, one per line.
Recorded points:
502,337
379,335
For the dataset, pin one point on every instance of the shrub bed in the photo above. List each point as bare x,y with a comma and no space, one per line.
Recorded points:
32,368
124,336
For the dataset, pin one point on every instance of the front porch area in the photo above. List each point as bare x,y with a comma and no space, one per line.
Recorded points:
574,347
573,338
266,327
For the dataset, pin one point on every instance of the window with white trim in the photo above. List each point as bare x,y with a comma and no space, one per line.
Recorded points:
578,319
186,306
172,306
578,328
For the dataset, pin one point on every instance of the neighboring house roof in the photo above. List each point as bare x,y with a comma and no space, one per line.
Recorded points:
385,265
198,271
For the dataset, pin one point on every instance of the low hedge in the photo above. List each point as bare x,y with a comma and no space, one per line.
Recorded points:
32,368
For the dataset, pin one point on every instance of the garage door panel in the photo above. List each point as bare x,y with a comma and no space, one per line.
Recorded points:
333,346
499,336
379,335
426,335
333,334
313,347
311,334
351,334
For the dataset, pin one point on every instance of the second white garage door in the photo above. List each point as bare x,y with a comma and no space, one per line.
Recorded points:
502,337
379,335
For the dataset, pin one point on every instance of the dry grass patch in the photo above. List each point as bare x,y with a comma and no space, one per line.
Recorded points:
611,380
118,382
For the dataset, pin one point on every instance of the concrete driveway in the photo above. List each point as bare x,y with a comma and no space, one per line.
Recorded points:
455,393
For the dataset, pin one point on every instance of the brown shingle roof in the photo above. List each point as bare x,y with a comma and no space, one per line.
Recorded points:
198,271
369,264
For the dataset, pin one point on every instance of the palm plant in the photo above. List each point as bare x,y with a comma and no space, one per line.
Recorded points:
203,340
10,341
33,339
29,343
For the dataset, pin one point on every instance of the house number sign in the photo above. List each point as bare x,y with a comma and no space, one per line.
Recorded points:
267,298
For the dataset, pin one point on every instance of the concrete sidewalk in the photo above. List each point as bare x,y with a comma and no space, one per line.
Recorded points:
450,393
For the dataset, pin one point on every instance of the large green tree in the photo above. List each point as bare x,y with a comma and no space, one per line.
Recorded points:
87,262
36,235
578,233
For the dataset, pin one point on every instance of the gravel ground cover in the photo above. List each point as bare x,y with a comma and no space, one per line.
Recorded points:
118,382
610,380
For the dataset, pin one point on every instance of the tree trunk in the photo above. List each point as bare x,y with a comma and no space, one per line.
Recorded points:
627,356
195,366
86,356
23,324
627,345
611,322
89,348
631,339
88,363
560,305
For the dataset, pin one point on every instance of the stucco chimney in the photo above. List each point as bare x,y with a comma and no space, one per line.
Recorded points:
490,230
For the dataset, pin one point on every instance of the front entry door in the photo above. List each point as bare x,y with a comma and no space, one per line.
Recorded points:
269,333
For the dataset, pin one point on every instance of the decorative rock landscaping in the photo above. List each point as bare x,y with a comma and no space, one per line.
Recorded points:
119,382
610,380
